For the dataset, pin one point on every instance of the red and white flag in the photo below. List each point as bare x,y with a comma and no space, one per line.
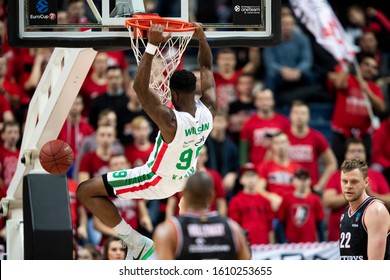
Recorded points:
320,20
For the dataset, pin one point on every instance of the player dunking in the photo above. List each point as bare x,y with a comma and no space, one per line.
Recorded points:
365,224
182,134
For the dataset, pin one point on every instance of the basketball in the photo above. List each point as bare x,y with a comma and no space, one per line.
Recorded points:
56,157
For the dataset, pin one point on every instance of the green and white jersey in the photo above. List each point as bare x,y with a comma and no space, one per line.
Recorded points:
177,160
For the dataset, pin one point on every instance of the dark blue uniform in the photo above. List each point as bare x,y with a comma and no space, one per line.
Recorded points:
204,236
353,234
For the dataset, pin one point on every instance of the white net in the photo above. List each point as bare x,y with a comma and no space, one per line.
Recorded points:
165,61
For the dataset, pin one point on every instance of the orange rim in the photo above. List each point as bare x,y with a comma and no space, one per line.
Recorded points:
144,22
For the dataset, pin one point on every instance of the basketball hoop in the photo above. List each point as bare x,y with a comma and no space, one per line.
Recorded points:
168,54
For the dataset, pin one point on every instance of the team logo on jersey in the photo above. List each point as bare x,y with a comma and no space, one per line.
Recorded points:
300,214
200,241
358,215
201,140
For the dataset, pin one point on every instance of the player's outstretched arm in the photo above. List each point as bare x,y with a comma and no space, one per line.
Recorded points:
205,60
377,221
164,238
158,112
244,251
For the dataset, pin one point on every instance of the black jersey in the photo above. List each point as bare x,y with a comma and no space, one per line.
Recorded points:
204,236
353,234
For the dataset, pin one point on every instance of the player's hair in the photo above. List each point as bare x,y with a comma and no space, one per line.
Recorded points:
107,243
8,124
352,164
198,190
183,81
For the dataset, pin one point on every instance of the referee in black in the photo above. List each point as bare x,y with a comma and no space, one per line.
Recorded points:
365,224
198,233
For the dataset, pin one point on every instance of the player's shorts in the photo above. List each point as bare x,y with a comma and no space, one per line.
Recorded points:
140,182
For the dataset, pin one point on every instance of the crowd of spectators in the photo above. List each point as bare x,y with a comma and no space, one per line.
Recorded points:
273,173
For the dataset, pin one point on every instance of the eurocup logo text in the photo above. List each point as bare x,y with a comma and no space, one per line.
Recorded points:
237,8
42,6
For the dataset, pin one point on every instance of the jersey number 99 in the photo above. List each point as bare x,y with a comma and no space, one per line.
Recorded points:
186,158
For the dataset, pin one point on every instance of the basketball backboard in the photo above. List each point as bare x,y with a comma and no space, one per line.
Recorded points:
44,23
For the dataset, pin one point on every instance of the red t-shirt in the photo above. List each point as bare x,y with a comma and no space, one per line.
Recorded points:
74,134
90,90
4,106
3,193
350,111
219,191
94,165
381,23
3,11
74,204
137,157
380,144
9,171
117,59
307,150
278,177
20,67
300,216
8,164
5,47
378,185
253,213
12,89
255,130
226,89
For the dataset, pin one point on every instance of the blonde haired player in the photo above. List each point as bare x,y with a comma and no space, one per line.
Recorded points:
365,224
